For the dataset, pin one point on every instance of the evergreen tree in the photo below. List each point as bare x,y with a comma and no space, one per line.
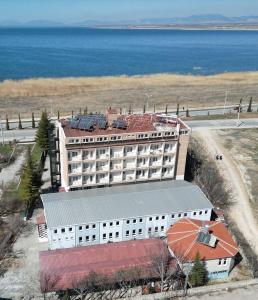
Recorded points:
33,121
198,274
58,115
20,123
7,123
29,181
166,110
42,132
144,109
187,114
154,108
249,109
177,109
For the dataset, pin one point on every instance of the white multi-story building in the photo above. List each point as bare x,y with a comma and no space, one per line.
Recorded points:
120,213
98,150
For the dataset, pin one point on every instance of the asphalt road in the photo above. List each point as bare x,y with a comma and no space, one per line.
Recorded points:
28,135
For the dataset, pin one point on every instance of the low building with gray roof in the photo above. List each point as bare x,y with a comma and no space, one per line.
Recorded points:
121,213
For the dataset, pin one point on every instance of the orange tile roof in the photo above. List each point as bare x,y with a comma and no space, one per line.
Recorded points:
182,240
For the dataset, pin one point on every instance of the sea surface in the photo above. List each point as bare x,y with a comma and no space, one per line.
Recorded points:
62,52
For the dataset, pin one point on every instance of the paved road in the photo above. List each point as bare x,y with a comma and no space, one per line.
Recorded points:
220,124
26,135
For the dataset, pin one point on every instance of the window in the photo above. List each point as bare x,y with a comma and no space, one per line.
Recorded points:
94,237
162,228
102,151
185,214
54,240
129,149
117,234
140,220
93,226
224,261
163,217
70,229
173,216
150,218
179,215
194,213
87,238
63,230
134,232
104,224
127,233
206,211
156,229
55,230
111,224
127,221
87,226
110,235
80,239
134,221
104,236
117,223
149,230
200,212
66,238
80,227
140,231
220,262
157,218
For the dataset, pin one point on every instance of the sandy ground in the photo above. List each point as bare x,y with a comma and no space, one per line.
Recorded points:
98,93
241,210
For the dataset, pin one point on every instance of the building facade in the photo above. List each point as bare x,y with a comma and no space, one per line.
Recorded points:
103,150
121,213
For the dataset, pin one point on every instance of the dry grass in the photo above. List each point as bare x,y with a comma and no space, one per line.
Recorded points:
69,94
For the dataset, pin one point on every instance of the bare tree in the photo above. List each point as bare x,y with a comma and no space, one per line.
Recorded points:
48,282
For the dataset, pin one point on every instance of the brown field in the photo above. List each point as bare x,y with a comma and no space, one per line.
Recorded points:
97,93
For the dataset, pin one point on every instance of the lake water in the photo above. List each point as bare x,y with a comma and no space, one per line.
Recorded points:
62,52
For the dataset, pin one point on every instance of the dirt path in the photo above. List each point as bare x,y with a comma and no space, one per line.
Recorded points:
241,210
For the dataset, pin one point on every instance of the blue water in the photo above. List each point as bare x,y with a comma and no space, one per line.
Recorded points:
26,53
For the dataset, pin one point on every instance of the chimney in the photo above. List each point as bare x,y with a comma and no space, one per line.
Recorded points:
112,115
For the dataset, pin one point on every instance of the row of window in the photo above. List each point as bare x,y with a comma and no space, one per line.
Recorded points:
127,149
119,137
70,229
222,262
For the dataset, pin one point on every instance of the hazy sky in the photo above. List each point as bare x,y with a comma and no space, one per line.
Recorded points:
77,10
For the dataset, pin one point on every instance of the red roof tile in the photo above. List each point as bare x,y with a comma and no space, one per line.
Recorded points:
182,240
135,123
65,267
41,219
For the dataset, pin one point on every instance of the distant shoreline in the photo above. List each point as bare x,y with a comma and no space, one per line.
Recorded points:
176,27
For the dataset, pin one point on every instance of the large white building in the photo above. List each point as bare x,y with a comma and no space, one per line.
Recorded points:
120,213
103,150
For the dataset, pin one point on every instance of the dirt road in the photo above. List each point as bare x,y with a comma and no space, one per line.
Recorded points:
241,210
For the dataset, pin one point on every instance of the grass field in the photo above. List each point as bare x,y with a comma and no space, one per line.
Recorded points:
98,93
243,146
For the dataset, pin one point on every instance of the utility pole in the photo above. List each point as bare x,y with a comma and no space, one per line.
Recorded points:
226,98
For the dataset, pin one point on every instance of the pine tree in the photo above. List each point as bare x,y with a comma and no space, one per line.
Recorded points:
58,115
42,132
29,181
154,108
177,109
7,123
198,274
187,114
20,123
166,110
144,109
33,121
249,109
